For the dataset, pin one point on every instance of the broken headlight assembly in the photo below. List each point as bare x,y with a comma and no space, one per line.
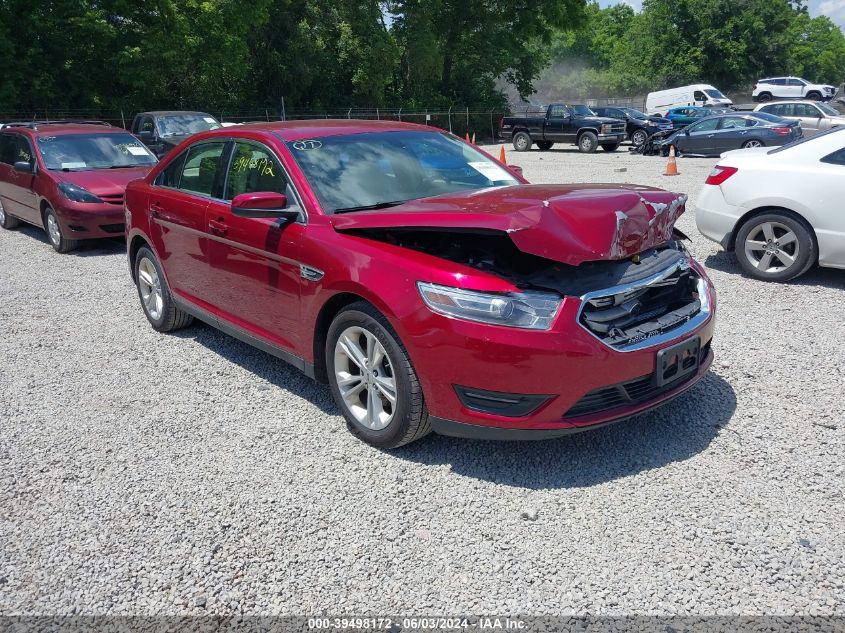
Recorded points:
527,310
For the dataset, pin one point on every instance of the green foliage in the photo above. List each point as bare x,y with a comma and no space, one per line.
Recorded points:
729,43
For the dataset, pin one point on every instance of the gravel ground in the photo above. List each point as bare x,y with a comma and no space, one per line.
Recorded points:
190,473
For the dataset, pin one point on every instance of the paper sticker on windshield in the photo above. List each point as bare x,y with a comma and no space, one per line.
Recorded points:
74,165
309,144
136,151
491,171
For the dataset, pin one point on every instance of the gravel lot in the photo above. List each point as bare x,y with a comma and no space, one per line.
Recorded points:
190,473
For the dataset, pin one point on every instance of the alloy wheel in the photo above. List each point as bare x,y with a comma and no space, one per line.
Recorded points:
753,143
586,143
365,378
53,230
772,247
150,285
521,143
2,214
639,138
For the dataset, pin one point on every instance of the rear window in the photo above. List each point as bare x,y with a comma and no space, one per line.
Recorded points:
80,152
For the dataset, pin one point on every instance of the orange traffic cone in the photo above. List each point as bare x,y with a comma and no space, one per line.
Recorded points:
672,166
467,139
502,156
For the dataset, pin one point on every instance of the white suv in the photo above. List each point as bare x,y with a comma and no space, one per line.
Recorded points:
790,88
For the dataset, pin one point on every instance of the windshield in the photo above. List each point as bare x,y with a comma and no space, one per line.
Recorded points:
714,93
635,113
827,109
93,151
354,172
184,124
582,110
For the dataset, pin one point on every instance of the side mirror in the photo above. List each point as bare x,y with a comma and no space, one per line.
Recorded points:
263,204
23,167
686,131
515,168
146,136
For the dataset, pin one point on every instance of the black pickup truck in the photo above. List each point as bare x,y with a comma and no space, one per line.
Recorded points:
163,130
563,124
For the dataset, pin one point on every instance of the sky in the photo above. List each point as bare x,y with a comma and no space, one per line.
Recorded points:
834,9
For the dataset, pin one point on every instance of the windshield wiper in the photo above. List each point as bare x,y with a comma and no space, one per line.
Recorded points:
371,207
127,166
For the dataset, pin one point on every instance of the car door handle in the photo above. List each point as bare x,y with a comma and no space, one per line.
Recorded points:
218,226
156,210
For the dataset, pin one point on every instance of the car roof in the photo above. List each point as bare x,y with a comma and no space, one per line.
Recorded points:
171,113
310,128
804,101
56,129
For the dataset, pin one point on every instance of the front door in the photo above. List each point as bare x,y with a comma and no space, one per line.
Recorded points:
178,206
700,138
254,261
559,125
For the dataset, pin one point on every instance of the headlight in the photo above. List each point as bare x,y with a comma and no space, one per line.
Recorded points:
76,193
528,310
605,128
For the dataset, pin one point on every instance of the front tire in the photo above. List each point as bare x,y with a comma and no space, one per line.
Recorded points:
588,142
55,235
372,380
814,96
7,221
522,142
776,246
544,145
156,300
639,137
610,147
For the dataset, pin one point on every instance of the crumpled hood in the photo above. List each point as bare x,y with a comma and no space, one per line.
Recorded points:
104,182
571,224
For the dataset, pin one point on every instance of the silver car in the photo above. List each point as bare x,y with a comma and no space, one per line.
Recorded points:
813,115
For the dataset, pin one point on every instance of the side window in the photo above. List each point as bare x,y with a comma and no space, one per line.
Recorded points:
202,168
733,122
704,126
7,149
23,150
809,111
558,112
169,176
777,82
146,125
837,158
699,96
254,168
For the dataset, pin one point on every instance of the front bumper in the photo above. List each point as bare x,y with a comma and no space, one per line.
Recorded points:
612,138
561,365
80,221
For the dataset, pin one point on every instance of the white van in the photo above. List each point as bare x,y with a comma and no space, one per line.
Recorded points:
695,95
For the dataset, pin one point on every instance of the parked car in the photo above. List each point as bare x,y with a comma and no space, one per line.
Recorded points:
791,88
812,116
682,117
692,95
563,124
411,271
164,130
714,135
779,209
638,125
68,178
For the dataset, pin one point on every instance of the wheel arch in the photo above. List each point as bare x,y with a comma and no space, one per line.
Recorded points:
135,244
771,209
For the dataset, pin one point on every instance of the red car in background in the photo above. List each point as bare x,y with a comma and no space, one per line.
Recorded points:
68,178
428,284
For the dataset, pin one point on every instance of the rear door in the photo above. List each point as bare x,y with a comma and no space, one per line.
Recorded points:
18,188
731,133
178,203
254,261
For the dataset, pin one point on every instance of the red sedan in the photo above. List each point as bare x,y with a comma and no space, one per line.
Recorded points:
429,285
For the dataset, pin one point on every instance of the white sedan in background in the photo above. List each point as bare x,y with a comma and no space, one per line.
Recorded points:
782,210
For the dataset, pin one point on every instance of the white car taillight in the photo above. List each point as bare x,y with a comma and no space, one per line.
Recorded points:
720,174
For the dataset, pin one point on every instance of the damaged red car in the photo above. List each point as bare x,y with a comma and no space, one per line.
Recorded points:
429,285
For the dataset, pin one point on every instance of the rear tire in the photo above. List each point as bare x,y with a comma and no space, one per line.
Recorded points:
156,300
753,143
610,147
775,246
522,142
588,142
544,145
764,96
55,235
356,337
7,221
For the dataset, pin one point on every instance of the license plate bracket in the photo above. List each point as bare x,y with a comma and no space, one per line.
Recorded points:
673,363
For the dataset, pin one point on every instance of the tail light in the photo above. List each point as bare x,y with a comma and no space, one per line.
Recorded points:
720,174
501,123
782,130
